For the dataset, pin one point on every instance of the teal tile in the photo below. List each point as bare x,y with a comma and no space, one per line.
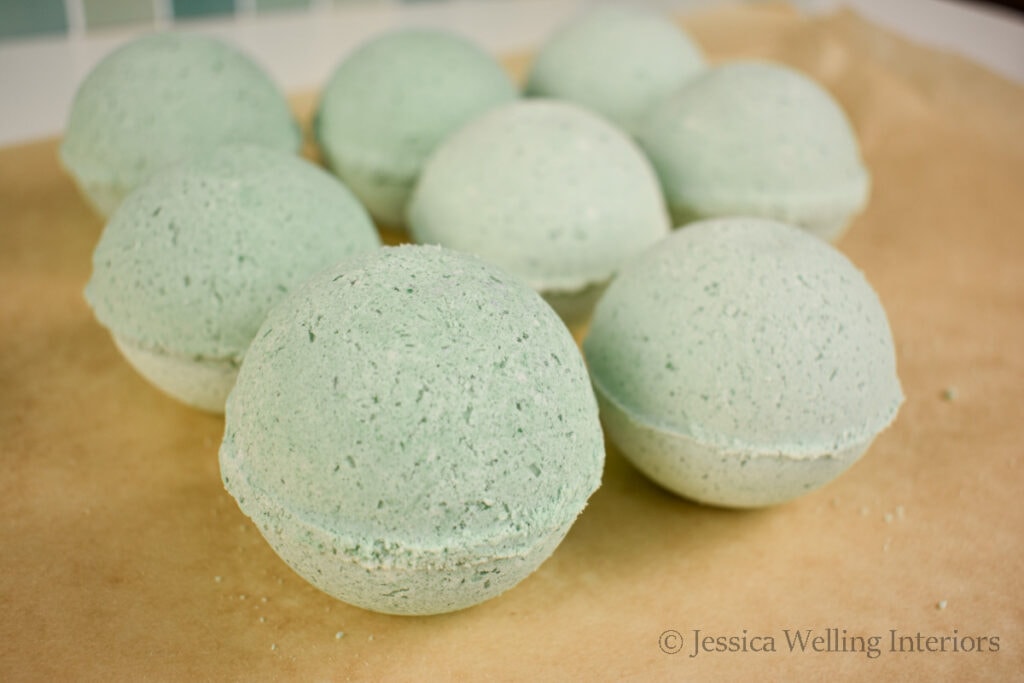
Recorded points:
189,9
113,12
20,19
273,5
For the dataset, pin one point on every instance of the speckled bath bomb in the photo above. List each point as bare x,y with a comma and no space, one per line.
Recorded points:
193,259
389,104
617,61
742,362
757,139
546,190
413,431
161,99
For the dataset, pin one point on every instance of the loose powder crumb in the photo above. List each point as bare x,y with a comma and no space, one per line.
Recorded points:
339,635
263,599
242,596
949,394
941,604
371,637
273,646
216,579
263,620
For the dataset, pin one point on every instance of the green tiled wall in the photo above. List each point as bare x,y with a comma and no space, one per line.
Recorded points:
270,5
31,17
192,9
35,18
100,13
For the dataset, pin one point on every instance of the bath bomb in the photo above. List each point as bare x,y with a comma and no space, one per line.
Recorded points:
757,139
193,259
742,362
617,61
161,99
546,190
413,431
389,104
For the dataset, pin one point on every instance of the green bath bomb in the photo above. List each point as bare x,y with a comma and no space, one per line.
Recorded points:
389,104
548,191
619,62
164,98
742,363
193,259
757,139
413,431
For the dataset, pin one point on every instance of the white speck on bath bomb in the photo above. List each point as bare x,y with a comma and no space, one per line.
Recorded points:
413,431
546,190
742,362
617,61
191,262
757,139
389,104
164,98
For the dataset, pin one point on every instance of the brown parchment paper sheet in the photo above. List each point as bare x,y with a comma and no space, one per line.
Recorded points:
122,558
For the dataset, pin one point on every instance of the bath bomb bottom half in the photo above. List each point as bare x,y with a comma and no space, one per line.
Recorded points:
413,431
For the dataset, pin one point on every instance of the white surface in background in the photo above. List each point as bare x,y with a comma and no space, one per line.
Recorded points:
38,77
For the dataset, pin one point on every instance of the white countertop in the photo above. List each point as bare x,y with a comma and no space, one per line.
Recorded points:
38,77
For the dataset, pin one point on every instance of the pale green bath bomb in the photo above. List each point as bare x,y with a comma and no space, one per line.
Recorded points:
161,99
742,362
547,190
193,259
389,104
413,431
757,139
617,61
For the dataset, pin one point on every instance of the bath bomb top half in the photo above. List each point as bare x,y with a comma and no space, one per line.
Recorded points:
757,139
747,339
161,99
546,190
617,61
413,430
389,104
192,260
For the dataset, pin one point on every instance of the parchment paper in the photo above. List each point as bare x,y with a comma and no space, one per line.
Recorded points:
122,558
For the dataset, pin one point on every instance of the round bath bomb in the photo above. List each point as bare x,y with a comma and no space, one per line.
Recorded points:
413,431
193,259
546,190
742,362
617,61
757,139
389,104
161,99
